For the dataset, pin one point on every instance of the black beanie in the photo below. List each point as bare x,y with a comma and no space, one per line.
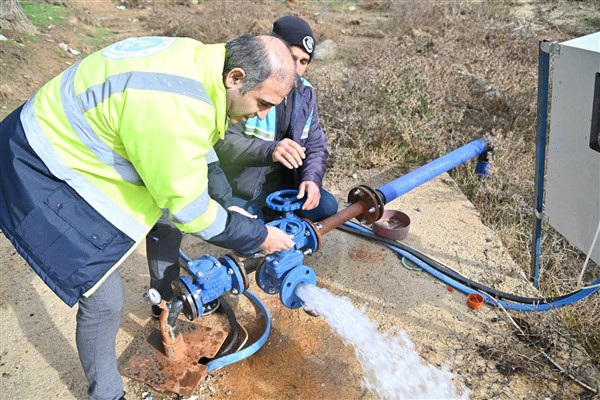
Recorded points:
296,32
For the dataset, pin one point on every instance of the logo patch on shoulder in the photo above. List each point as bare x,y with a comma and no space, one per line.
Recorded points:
137,47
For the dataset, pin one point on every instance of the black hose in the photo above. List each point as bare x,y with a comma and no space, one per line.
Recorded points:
454,275
231,338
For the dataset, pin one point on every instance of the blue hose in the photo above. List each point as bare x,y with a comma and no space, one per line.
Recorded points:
246,351
563,301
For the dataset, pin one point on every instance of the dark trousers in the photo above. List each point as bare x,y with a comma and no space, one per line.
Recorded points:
327,206
162,250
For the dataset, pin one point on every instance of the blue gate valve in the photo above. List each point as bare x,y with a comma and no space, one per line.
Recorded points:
210,279
303,234
280,272
283,271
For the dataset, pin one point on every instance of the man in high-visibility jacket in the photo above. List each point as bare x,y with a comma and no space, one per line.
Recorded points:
100,152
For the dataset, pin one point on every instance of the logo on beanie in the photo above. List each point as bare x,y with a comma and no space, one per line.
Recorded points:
308,42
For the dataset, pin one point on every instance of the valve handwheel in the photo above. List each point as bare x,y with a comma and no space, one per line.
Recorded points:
284,200
289,226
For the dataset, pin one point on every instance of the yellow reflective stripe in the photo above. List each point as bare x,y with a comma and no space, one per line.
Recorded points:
208,225
76,105
193,210
211,156
218,225
138,80
73,111
90,193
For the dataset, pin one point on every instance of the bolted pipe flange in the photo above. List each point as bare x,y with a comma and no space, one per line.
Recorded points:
185,291
313,234
296,276
243,282
372,203
263,279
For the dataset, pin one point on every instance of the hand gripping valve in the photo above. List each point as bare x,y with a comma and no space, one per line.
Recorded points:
283,271
280,272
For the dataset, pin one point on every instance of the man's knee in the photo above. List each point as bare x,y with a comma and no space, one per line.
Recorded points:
328,203
107,302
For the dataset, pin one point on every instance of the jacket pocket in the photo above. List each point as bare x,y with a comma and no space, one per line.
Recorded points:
65,232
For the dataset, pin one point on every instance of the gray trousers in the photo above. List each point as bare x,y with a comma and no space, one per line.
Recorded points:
99,316
98,320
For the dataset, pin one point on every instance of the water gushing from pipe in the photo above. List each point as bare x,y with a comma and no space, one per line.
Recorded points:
392,368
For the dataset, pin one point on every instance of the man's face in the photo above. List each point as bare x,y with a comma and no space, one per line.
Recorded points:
256,102
301,59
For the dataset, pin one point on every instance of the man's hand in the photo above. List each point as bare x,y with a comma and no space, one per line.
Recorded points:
313,194
276,240
240,210
289,153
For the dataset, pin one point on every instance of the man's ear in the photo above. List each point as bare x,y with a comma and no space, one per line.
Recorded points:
233,78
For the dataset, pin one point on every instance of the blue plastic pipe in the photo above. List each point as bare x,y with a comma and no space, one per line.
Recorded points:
427,172
184,256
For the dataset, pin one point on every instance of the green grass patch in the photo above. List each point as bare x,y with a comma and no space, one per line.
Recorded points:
44,14
100,38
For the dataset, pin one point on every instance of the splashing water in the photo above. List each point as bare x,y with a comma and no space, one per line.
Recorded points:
392,368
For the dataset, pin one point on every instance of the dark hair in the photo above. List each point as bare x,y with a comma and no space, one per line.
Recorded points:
249,53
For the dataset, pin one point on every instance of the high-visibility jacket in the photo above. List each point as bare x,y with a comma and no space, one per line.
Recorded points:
129,128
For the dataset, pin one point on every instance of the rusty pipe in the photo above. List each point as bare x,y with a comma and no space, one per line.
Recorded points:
172,340
337,219
364,203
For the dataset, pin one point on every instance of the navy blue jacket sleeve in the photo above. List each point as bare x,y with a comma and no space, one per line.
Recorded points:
315,163
241,234
219,188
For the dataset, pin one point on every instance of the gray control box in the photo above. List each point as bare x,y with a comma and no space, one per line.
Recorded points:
572,201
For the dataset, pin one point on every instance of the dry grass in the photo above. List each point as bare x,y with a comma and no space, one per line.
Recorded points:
415,80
